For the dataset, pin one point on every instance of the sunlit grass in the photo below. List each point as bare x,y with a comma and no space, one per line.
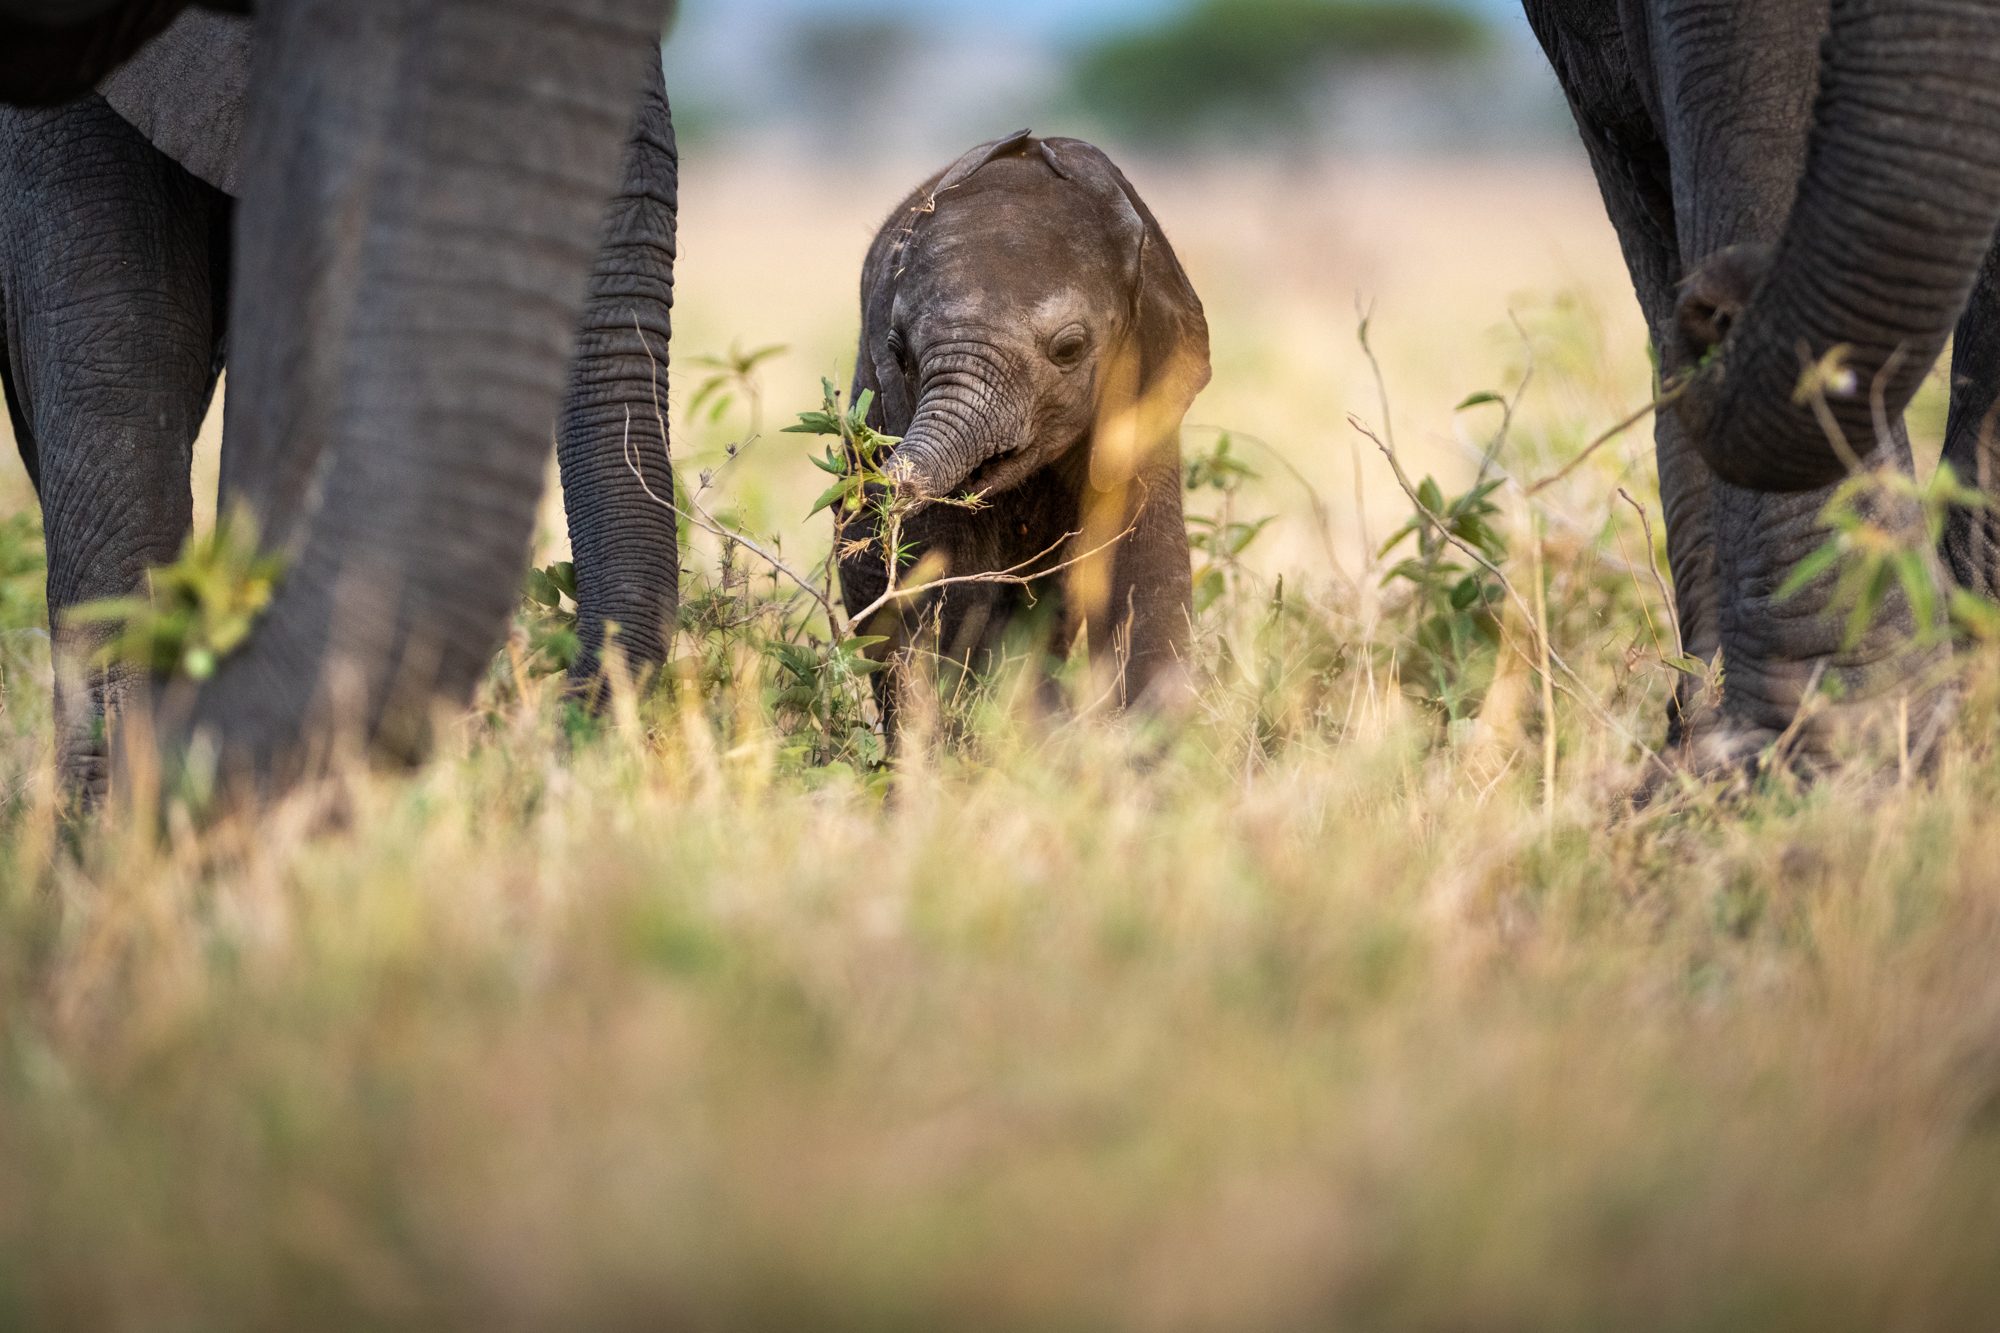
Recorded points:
1314,1011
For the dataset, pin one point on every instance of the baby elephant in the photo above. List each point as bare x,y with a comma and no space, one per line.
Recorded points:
1030,336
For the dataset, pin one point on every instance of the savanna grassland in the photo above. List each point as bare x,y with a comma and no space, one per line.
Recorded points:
1364,999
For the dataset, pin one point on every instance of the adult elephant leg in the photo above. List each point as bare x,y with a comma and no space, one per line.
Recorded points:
612,439
424,188
115,257
1971,546
1596,64
1736,163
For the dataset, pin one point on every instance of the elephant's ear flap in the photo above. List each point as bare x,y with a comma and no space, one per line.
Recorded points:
879,271
967,165
185,91
1152,378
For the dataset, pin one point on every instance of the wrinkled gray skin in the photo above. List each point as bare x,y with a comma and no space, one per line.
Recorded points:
414,305
1787,177
1030,335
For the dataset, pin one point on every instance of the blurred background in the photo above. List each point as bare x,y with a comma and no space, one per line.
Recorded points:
1309,159
1268,76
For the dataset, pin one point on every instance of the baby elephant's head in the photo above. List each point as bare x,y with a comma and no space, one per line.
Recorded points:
1025,305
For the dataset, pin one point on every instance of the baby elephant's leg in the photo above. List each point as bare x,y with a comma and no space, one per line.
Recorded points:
1147,621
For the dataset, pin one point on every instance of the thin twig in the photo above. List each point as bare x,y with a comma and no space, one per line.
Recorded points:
702,519
1671,394
1011,575
1659,580
1548,681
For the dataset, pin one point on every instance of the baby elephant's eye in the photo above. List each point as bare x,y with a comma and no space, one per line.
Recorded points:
1068,348
899,349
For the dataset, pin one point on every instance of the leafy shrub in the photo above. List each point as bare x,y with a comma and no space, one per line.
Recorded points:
1220,539
1454,602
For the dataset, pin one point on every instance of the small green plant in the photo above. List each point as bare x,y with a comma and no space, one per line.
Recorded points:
755,621
731,377
1883,528
1221,538
196,611
24,573
822,689
1454,602
550,617
24,606
855,461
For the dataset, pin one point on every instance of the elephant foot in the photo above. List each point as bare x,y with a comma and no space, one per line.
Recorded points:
86,776
1723,750
87,701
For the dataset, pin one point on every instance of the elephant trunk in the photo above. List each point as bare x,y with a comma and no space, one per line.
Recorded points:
404,326
969,414
611,440
1894,214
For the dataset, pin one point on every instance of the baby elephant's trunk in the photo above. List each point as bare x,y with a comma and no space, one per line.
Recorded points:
958,427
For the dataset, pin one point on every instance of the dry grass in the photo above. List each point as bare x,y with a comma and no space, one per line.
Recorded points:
1304,1017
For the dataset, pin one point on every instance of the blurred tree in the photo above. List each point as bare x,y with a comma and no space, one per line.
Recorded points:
844,69
1249,64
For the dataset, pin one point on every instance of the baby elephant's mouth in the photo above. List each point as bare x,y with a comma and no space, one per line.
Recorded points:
991,475
932,463
996,473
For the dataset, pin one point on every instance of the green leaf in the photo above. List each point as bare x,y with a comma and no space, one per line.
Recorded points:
1974,614
1809,569
541,590
814,423
1874,588
831,496
1919,590
709,388
1480,399
1209,586
106,611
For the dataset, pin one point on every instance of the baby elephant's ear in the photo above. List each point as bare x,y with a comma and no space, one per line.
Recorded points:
1152,380
1172,336
967,165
